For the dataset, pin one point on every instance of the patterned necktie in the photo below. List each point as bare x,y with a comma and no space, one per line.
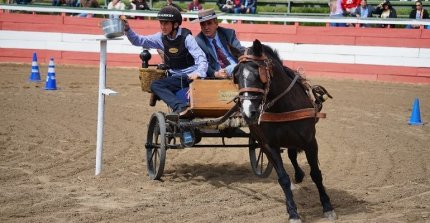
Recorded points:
222,59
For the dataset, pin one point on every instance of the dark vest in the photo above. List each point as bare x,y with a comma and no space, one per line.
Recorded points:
176,55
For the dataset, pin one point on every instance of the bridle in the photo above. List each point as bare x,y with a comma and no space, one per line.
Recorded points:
265,72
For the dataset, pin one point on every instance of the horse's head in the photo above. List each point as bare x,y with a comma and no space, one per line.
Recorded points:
253,74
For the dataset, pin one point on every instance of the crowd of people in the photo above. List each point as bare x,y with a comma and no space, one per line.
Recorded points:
228,6
384,10
338,9
238,6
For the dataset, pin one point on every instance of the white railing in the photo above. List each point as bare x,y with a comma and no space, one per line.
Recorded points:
223,16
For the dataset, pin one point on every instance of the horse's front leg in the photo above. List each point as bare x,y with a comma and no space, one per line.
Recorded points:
299,174
284,180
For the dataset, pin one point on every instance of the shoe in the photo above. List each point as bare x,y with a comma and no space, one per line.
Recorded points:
174,116
153,100
186,113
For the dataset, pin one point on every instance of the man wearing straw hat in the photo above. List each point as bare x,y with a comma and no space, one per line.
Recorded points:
183,56
216,42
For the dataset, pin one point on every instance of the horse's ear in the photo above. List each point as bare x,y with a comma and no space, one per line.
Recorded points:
257,48
234,51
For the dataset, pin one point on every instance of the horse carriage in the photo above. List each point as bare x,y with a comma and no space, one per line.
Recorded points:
213,116
276,104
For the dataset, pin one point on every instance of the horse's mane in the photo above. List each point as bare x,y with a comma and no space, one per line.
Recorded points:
271,53
274,55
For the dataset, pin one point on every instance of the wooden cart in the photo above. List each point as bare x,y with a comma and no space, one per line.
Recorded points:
214,115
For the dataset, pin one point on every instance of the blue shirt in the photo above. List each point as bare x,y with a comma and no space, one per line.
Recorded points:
155,41
364,12
229,69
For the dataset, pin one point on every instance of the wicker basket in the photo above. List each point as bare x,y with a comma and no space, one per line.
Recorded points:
148,75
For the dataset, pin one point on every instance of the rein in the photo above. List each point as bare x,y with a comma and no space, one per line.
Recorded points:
265,72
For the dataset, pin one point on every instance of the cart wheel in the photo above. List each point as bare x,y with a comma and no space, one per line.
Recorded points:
156,146
261,166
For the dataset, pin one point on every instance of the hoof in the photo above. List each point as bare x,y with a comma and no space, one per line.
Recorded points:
295,221
330,215
299,176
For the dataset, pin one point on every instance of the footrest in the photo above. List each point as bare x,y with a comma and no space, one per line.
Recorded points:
109,92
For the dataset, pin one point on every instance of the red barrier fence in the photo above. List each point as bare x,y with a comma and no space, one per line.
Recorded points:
356,52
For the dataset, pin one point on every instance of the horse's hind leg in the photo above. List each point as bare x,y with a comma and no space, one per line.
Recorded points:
299,174
284,180
312,157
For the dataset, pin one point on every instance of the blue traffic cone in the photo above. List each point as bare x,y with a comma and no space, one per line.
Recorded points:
51,83
35,73
415,115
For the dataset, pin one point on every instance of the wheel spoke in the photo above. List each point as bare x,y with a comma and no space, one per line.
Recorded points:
261,166
155,160
261,158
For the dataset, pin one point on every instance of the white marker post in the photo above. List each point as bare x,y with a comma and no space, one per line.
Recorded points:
101,106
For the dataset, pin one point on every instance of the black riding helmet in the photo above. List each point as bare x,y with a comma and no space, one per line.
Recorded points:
170,13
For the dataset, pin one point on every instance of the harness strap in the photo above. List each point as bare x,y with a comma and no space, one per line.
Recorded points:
246,57
251,89
272,102
291,115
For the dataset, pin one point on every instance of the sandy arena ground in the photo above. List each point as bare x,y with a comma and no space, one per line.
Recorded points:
375,166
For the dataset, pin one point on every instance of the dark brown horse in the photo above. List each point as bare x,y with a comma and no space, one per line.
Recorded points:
276,103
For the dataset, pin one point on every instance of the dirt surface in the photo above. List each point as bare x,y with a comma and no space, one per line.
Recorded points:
375,166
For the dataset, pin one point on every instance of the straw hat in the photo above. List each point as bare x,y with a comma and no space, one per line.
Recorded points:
205,15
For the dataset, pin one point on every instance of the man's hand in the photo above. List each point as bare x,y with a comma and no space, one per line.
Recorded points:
221,74
193,76
126,25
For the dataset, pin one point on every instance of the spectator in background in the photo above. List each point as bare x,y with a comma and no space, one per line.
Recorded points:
72,3
226,6
418,13
54,2
170,3
139,5
336,12
385,10
248,6
195,6
237,6
25,2
349,6
88,4
116,5
364,11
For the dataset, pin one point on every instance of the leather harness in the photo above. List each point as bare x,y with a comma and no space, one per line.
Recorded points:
265,73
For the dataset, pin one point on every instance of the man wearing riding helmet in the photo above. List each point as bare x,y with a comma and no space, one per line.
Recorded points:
184,58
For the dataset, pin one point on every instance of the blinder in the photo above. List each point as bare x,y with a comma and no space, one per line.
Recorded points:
264,71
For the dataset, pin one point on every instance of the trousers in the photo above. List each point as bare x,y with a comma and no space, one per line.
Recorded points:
166,88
